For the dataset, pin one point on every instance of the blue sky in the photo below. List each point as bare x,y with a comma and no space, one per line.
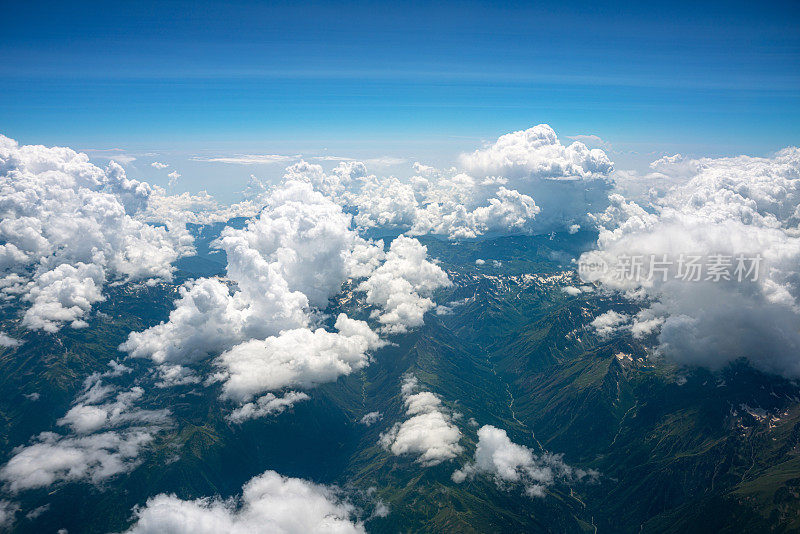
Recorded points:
411,80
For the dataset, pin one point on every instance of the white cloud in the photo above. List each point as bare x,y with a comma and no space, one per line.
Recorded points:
507,210
94,452
385,202
270,503
332,158
537,152
36,512
8,511
175,375
293,256
401,286
526,182
87,417
8,341
646,323
608,323
386,161
509,463
283,267
64,295
159,165
113,154
371,418
198,208
740,206
428,433
173,178
296,358
206,319
346,177
247,159
67,227
266,405
566,182
91,458
590,140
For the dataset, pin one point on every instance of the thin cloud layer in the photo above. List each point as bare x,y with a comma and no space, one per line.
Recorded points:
246,159
265,406
93,458
106,439
8,512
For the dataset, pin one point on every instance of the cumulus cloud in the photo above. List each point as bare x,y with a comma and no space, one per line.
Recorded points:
525,182
291,257
505,212
64,295
537,152
566,181
509,463
159,165
67,227
283,267
723,214
346,177
457,206
608,323
428,433
296,358
401,286
269,503
385,202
